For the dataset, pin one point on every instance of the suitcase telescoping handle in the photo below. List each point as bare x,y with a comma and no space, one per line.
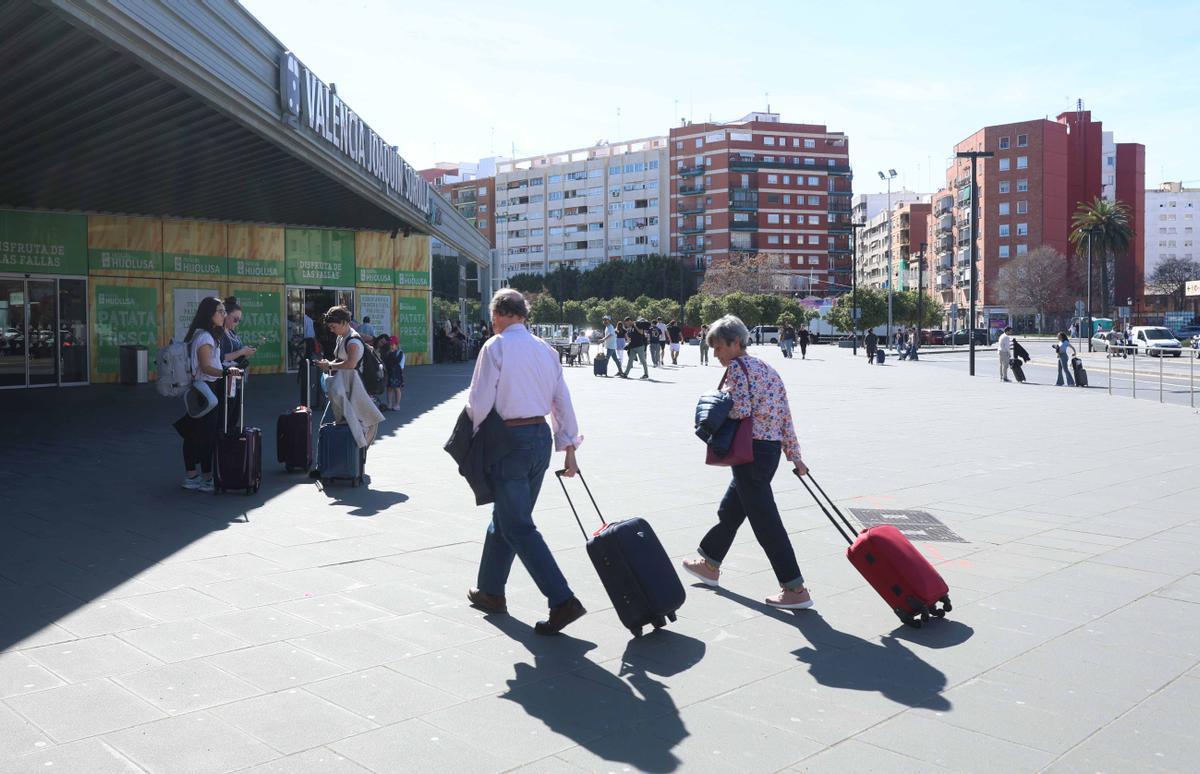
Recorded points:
853,533
559,475
241,403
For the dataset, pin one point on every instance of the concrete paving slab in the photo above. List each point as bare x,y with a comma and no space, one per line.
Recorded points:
91,755
186,687
292,720
276,666
72,712
197,742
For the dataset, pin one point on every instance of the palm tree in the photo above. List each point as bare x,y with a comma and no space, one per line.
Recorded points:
1107,222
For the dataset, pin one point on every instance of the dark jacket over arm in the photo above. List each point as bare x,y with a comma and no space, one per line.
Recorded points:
476,454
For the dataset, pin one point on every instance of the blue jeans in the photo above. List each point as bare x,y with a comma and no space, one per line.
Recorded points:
517,479
1064,367
749,496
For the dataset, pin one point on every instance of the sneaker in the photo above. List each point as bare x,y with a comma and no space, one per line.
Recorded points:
790,599
708,575
192,482
644,377
206,485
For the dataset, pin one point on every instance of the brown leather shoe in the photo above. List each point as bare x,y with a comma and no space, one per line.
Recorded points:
567,612
488,603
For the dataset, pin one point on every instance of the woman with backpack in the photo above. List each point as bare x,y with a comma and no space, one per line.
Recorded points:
200,431
348,394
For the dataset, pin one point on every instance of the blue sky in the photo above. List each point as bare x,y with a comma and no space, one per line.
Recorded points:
463,80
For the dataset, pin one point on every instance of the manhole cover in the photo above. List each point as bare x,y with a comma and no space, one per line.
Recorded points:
914,525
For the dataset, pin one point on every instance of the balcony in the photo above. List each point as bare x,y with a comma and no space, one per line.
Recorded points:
691,172
743,225
944,206
839,251
691,209
839,204
743,199
840,228
946,262
691,249
692,230
691,190
841,170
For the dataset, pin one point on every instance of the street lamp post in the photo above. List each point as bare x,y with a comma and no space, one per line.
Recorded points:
920,295
974,156
1089,292
891,173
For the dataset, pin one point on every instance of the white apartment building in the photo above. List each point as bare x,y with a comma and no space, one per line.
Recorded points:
871,246
582,207
1172,215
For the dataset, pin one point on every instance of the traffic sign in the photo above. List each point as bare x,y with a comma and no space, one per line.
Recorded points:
1079,308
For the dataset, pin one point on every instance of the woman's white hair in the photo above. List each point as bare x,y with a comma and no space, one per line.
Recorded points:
729,329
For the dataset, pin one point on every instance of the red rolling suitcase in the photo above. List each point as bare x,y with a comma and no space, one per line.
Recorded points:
893,566
293,430
237,460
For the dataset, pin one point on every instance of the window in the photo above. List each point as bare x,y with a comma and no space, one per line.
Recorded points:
1022,207
814,200
1003,208
537,180
814,260
652,165
1022,141
1022,162
772,179
679,145
813,239
1003,251
556,230
1003,186
1022,249
787,179
1003,143
795,142
555,179
537,232
615,192
810,143
597,172
556,196
768,141
1005,164
483,208
814,181
1022,229
699,142
787,198
773,198
1004,229
787,239
483,223
773,218
787,219
483,190
615,169
814,220
1022,186
810,162
772,239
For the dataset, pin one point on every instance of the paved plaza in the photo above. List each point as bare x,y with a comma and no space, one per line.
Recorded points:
144,628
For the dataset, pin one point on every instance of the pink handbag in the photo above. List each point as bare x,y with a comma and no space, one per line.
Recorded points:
741,450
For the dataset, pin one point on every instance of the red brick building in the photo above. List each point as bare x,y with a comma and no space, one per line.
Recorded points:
474,198
758,185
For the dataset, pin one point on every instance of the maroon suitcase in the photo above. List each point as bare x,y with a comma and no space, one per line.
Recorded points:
237,458
893,566
293,431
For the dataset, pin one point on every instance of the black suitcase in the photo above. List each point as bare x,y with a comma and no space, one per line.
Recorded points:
237,460
1017,369
633,567
1080,372
293,430
600,365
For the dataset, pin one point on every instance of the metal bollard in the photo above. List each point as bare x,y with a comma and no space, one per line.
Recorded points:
1135,372
1161,358
1110,357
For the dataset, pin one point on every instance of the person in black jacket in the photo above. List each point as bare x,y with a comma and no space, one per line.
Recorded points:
803,338
872,342
638,336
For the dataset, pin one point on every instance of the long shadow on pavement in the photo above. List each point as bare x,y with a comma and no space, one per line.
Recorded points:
840,660
91,499
634,722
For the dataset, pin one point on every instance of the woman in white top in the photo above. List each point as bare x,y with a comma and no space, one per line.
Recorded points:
200,434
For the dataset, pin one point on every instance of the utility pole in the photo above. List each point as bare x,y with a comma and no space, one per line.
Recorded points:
920,295
854,227
974,156
1089,293
891,173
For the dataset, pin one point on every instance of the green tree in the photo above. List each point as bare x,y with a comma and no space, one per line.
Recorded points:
904,309
619,308
444,309
770,306
575,313
712,308
1106,226
692,310
872,308
745,307
527,282
545,309
664,309
786,318
474,309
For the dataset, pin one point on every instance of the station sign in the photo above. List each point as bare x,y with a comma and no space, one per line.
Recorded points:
315,106
1192,288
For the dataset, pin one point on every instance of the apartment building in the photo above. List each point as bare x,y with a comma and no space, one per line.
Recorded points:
581,207
1028,193
758,185
908,215
1171,220
469,188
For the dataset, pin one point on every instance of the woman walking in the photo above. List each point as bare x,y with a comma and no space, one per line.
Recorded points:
758,397
1065,350
200,432
703,345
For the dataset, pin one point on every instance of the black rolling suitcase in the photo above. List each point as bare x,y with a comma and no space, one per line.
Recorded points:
600,365
1079,371
1017,369
238,455
634,568
293,430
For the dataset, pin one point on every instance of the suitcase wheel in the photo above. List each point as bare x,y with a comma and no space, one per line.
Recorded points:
939,613
946,606
671,617
659,622
636,631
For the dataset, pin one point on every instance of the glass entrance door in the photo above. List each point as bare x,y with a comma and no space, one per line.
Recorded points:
307,334
12,323
43,332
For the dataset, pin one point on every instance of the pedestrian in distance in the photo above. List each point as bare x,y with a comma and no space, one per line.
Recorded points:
787,339
1065,350
638,334
675,338
200,432
1004,344
656,341
758,396
619,338
367,331
703,345
872,344
803,338
519,376
392,358
608,342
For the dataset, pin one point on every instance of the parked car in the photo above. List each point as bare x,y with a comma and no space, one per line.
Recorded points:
1186,333
933,336
1156,340
960,337
770,333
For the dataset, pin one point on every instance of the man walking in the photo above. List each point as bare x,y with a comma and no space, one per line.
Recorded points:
655,336
803,339
609,343
675,338
1005,349
519,376
872,343
635,347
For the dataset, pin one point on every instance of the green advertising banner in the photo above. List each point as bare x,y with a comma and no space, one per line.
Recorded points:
195,266
124,315
262,325
137,262
43,243
372,275
412,322
255,270
318,256
412,279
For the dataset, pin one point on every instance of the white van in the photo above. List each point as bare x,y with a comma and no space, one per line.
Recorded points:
1156,340
770,334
